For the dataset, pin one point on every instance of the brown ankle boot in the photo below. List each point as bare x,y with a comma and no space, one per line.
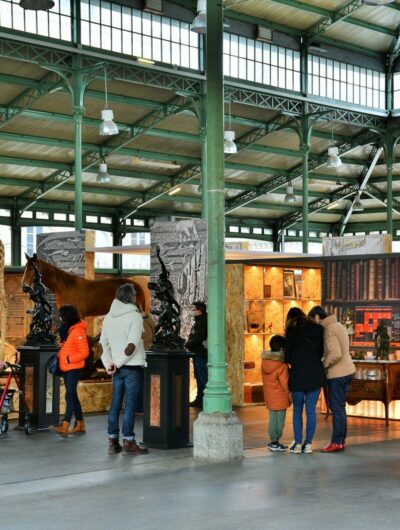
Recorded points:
130,447
62,429
114,446
78,428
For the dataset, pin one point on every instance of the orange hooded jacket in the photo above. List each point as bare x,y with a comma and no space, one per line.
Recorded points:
275,375
75,349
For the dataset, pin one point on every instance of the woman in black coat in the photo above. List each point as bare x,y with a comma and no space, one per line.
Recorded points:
304,350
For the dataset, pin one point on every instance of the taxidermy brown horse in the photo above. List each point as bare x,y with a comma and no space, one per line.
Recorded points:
91,297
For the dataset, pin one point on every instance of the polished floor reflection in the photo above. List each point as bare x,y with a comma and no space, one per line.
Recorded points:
47,482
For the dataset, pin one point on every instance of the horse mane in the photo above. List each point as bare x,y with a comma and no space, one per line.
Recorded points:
68,279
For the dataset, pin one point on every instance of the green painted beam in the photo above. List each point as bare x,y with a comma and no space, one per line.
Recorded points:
326,13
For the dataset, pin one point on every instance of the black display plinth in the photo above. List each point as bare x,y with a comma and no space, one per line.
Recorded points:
166,411
41,389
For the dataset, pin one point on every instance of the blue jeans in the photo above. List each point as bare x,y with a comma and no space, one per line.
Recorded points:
201,376
308,398
337,391
128,383
72,403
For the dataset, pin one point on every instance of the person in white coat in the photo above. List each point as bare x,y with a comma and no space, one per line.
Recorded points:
124,357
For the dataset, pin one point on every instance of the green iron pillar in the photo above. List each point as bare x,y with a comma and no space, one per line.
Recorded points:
203,135
305,150
78,114
217,397
389,182
117,242
304,68
15,238
389,84
217,432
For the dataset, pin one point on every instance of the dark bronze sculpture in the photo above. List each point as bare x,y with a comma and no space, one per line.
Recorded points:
167,333
40,328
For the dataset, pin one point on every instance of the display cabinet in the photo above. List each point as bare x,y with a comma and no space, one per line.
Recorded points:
375,381
264,293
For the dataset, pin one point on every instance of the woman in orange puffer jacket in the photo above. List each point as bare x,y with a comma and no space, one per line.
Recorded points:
71,358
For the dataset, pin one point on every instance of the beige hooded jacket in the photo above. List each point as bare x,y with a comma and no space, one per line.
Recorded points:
337,359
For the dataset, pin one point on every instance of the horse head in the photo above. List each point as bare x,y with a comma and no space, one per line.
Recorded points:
30,270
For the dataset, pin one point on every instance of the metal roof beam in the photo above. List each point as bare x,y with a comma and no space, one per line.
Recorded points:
111,146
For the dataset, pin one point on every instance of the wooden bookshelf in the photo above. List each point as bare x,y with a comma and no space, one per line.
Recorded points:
264,307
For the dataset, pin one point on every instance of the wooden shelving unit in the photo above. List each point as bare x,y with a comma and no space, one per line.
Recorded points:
266,294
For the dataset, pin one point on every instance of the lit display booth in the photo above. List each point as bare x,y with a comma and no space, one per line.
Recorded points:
363,292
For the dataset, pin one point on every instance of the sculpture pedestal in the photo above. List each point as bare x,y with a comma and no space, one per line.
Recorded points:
41,389
166,411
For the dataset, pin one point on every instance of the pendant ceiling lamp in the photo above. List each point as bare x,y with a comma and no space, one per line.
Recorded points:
357,204
199,24
37,5
333,158
333,155
290,197
103,177
229,135
108,127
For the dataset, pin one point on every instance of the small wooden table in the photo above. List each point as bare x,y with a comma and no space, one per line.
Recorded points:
375,381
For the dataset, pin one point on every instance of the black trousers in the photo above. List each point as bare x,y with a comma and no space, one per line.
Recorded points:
72,403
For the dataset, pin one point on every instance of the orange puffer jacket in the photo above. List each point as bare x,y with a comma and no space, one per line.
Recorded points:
275,375
75,349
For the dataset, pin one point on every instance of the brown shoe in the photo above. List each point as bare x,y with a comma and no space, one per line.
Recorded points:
78,428
61,429
130,447
114,446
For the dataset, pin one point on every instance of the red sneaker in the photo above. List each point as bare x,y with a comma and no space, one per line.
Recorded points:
332,448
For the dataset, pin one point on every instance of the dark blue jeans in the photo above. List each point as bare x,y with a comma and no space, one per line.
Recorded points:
337,391
310,399
72,403
128,383
201,376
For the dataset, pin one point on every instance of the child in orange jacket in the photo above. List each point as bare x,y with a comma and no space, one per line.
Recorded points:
275,376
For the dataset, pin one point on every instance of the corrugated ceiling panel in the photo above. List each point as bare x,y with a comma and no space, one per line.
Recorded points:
359,36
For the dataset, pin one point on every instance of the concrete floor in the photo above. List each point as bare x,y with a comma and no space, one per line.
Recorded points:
47,482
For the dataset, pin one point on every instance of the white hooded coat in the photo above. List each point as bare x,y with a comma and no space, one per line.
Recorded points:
122,325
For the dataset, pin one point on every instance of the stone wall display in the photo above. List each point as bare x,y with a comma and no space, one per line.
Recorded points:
65,250
235,324
183,248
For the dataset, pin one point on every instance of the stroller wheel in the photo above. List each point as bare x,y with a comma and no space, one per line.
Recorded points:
28,428
4,425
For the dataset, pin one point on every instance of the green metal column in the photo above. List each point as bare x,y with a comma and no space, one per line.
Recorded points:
78,114
304,68
389,182
15,238
203,135
217,397
305,149
117,242
389,84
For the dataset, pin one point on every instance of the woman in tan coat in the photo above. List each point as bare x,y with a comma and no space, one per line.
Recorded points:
275,377
340,369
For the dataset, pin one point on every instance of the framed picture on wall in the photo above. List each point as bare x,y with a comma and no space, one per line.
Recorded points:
289,284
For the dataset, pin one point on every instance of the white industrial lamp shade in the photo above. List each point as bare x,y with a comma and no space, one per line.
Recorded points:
357,204
103,177
229,142
108,127
290,197
378,2
37,5
199,24
333,158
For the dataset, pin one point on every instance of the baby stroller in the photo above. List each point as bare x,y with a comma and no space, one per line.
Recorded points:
6,398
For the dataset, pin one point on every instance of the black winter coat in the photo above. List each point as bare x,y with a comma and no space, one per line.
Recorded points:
197,341
303,351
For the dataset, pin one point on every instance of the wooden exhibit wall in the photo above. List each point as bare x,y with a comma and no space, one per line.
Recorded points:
234,331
